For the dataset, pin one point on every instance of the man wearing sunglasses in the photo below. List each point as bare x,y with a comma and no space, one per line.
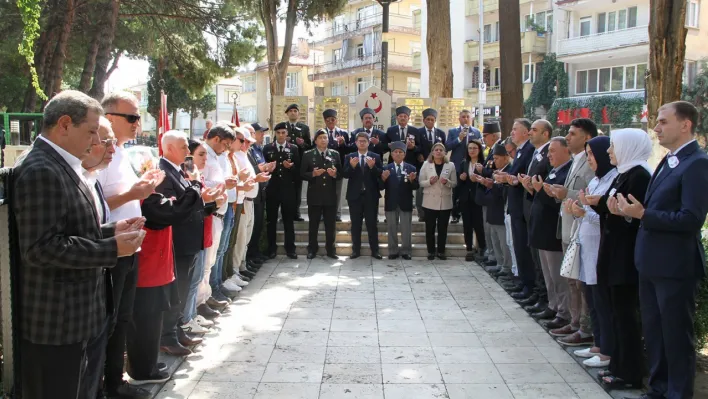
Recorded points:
123,191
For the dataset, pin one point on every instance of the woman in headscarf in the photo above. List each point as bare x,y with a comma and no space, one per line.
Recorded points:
617,276
588,225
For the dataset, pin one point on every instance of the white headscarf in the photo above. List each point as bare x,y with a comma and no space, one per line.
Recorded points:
632,148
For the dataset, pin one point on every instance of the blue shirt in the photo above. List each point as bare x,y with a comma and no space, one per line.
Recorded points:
258,153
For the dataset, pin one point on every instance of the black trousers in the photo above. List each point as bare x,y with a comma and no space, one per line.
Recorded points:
184,270
125,277
143,343
603,309
668,310
539,287
595,324
627,358
455,202
298,198
473,222
254,245
315,213
273,203
63,371
524,261
439,219
364,209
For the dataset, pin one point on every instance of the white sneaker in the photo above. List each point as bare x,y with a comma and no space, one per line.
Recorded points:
585,353
596,362
230,285
237,279
194,328
202,321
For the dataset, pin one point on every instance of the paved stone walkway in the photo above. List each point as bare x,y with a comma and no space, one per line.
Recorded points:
378,329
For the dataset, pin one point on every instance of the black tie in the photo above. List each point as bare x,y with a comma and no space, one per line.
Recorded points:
323,155
403,133
368,132
430,135
398,170
99,190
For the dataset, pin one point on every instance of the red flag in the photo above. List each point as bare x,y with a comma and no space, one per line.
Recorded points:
234,117
163,123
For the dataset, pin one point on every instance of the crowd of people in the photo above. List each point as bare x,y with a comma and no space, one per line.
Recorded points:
578,228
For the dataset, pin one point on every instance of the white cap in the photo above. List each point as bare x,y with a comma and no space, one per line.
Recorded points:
246,134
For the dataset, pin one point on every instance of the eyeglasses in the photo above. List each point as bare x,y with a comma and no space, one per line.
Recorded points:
107,143
128,117
241,140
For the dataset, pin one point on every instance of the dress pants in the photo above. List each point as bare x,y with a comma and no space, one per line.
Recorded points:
338,187
455,212
556,285
578,307
364,208
315,213
202,272
184,271
473,222
594,320
63,371
628,357
510,244
298,197
488,237
243,236
403,220
273,203
439,219
603,310
419,203
125,278
668,309
254,245
524,261
497,236
228,266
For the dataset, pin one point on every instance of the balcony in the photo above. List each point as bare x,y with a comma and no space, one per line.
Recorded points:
494,93
336,32
352,65
531,42
473,6
573,49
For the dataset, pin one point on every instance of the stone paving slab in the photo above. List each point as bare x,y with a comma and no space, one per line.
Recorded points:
366,329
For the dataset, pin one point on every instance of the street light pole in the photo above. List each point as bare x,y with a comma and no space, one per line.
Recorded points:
481,89
384,43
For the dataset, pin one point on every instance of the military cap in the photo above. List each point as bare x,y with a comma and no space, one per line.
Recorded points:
281,125
329,113
320,132
292,106
499,149
491,127
397,145
430,112
403,110
365,111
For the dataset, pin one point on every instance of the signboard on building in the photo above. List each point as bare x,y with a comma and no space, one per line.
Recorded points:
281,103
380,102
417,105
339,104
449,111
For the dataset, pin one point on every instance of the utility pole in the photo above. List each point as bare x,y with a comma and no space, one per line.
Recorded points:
384,43
482,87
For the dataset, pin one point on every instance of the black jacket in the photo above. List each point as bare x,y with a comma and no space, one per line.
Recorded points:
321,190
282,182
516,193
399,190
544,214
303,131
493,199
363,181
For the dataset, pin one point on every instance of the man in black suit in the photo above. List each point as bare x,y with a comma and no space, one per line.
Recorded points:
363,169
405,133
300,133
668,254
338,140
280,188
187,236
428,135
539,136
64,295
321,168
399,180
377,138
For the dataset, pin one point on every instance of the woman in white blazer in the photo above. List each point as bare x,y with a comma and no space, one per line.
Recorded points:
437,178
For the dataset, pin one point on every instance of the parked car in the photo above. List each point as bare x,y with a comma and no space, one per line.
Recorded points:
142,158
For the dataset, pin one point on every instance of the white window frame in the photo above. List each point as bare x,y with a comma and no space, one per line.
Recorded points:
337,88
337,55
292,81
532,71
249,84
693,11
580,26
690,71
625,87
413,85
360,51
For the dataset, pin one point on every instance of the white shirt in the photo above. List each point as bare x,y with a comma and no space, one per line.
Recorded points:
214,174
244,163
226,167
90,179
74,163
117,179
177,167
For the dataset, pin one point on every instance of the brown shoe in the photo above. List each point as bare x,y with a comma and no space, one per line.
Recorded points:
188,341
563,331
575,339
178,350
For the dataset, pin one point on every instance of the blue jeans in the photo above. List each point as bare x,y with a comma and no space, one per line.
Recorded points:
190,305
216,271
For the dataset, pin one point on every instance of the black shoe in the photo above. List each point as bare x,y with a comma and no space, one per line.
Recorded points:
244,278
455,220
514,289
292,255
247,273
161,366
442,257
394,256
490,263
469,257
207,312
338,219
253,265
406,257
545,315
311,255
219,296
299,219
332,255
252,269
377,256
272,255
431,256
355,255
536,307
125,391
502,274
156,378
557,323
216,304
255,260
530,301
520,294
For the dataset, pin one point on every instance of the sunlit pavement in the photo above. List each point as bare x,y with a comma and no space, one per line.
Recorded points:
378,329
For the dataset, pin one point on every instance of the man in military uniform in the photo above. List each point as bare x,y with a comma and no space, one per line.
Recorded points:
429,135
299,133
405,133
338,140
280,188
363,169
321,168
377,138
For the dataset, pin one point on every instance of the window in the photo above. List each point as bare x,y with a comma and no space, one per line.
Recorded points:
617,20
622,20
360,51
601,23
291,83
592,81
581,82
630,76
689,73
585,23
618,78
604,79
496,31
414,85
549,21
543,19
529,73
337,88
487,33
617,83
361,85
632,17
641,71
612,21
497,78
249,84
336,55
339,24
692,9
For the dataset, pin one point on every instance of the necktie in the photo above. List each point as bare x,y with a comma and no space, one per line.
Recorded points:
280,148
403,133
363,161
331,134
323,155
430,135
368,132
398,170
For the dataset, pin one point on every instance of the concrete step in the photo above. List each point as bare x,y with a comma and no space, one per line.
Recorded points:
343,249
344,236
346,225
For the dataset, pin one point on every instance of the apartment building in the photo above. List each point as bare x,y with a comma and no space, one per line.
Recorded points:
350,46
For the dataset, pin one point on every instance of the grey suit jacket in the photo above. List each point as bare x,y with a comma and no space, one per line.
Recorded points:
63,251
576,181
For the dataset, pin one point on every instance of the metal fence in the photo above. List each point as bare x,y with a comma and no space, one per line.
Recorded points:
8,276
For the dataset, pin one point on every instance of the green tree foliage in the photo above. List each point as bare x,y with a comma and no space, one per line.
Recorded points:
552,84
697,94
30,11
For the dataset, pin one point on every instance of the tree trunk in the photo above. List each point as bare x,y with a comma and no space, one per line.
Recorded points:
56,68
438,44
667,49
104,50
174,119
512,94
277,66
90,62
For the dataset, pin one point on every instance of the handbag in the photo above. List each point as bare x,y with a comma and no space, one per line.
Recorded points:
570,268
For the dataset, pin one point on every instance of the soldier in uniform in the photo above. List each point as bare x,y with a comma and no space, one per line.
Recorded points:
363,169
299,133
378,142
321,167
405,133
280,188
338,140
429,135
399,180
